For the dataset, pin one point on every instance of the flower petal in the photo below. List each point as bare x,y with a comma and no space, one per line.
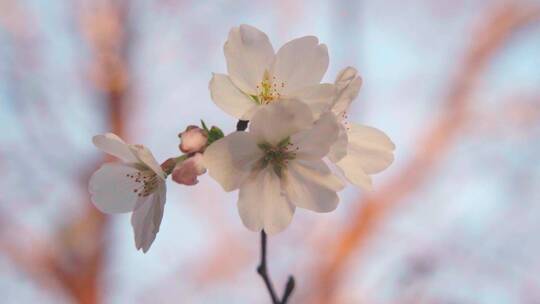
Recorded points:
229,98
112,144
315,142
311,185
319,97
111,190
187,171
230,159
299,63
249,53
261,204
370,148
339,148
144,156
352,170
280,119
146,219
348,84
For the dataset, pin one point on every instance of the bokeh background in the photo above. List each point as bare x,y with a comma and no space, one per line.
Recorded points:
456,218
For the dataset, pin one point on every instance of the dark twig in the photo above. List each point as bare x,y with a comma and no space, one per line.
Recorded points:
263,272
262,268
288,290
242,125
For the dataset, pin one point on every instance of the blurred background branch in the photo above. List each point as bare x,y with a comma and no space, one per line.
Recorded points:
491,35
457,211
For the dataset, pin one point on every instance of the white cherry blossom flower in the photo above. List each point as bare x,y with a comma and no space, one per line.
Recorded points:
258,76
137,184
277,165
360,150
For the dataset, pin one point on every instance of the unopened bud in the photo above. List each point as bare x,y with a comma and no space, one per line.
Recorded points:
193,140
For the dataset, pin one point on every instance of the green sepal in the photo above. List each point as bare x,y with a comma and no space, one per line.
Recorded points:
204,126
214,134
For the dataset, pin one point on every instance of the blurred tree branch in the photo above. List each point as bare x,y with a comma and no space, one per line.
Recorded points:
74,263
105,28
502,22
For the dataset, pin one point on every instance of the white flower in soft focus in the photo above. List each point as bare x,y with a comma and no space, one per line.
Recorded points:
277,165
194,140
360,150
137,184
258,76
186,172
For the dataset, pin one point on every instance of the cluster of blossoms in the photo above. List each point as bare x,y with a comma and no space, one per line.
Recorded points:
299,149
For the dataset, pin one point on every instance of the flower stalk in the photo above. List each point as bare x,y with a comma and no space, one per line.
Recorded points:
262,270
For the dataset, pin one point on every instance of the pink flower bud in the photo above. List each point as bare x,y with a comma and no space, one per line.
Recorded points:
187,171
193,140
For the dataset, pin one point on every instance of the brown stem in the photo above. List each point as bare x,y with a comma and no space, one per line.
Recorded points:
263,271
288,290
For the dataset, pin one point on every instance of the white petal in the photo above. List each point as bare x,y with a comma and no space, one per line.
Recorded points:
145,156
230,159
315,142
261,204
249,53
230,99
319,97
146,219
112,144
370,148
280,119
339,148
299,63
353,172
111,190
348,85
345,77
311,185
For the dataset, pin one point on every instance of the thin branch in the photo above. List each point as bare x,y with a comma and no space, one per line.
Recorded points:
263,271
288,289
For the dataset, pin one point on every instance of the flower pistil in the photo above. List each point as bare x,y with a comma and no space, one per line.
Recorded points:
277,156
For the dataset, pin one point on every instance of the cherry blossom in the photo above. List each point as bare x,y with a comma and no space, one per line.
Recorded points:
136,184
259,76
360,150
277,165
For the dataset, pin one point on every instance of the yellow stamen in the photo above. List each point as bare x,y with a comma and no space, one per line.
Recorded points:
268,89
